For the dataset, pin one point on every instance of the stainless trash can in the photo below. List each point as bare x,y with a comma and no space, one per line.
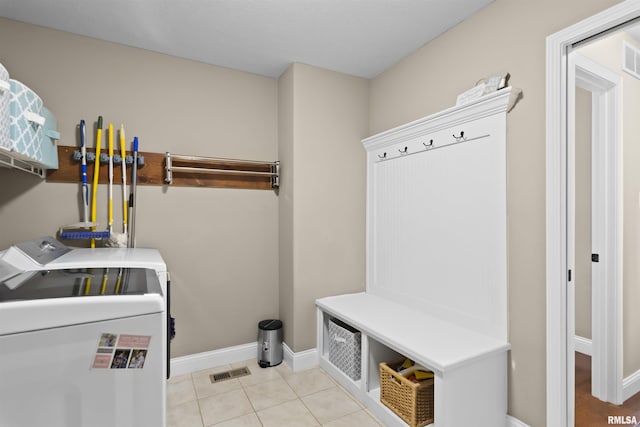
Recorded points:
269,343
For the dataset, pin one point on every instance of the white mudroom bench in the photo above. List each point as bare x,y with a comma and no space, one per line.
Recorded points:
436,264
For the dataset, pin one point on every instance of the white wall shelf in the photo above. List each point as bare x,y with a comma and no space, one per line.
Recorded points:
10,161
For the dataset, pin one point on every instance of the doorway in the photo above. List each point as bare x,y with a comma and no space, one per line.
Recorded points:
603,191
560,214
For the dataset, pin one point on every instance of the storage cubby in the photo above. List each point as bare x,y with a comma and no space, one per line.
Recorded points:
377,354
323,349
436,285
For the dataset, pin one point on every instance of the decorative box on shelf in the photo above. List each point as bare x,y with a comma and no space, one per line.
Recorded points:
28,133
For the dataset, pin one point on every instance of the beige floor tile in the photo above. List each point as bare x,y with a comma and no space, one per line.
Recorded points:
184,415
177,379
204,387
180,392
309,381
360,404
267,397
224,406
259,375
289,414
328,405
360,419
373,416
270,393
284,370
249,420
249,363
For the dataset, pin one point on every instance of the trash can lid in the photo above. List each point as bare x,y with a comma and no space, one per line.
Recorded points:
270,325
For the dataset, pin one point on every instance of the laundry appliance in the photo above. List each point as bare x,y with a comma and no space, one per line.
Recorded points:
83,336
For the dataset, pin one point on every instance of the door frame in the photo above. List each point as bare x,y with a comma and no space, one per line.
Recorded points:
607,224
559,407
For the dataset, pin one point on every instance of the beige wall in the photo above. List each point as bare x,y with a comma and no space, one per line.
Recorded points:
214,111
286,254
209,237
324,204
608,52
220,244
505,36
583,214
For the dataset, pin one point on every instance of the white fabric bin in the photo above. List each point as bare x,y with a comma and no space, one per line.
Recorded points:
344,348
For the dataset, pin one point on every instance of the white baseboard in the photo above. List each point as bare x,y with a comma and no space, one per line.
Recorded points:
630,385
210,359
301,360
583,345
514,422
239,353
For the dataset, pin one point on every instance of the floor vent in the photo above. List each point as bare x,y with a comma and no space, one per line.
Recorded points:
227,375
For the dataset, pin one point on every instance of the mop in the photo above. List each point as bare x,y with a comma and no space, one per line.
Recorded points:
116,240
110,145
85,229
132,195
123,153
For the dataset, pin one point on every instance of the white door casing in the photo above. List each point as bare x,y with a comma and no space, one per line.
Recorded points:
559,412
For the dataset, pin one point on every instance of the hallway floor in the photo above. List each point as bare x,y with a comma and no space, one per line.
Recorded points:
592,412
268,397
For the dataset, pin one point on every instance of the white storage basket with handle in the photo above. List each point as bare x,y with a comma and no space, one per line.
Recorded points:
344,348
26,122
49,136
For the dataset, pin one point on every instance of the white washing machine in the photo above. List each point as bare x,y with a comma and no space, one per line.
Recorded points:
83,336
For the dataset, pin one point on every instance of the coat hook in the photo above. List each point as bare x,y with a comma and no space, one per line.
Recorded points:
403,151
384,156
459,138
429,145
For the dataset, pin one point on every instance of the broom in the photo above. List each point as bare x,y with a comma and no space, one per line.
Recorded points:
86,229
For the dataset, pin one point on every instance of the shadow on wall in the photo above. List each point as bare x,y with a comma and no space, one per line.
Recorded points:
15,183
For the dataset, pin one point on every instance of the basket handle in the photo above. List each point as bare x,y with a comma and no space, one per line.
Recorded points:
341,340
34,118
4,86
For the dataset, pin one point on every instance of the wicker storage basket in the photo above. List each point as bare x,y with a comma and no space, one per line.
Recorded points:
413,402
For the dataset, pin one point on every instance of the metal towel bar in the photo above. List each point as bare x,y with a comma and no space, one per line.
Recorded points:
199,165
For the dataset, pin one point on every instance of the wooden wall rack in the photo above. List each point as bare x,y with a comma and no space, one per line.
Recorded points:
205,172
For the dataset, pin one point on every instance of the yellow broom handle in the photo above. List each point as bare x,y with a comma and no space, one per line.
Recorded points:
96,176
110,135
123,153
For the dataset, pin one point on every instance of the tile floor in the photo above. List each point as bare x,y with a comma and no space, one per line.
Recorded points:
268,397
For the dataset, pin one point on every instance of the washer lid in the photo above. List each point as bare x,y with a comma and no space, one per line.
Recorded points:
56,298
78,283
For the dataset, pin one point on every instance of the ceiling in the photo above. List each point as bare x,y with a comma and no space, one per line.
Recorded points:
358,37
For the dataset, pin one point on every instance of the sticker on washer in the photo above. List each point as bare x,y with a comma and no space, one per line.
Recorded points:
122,351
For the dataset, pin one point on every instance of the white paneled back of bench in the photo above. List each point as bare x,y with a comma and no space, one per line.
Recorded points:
437,218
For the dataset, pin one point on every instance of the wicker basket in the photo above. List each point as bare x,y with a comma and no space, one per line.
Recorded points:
413,402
